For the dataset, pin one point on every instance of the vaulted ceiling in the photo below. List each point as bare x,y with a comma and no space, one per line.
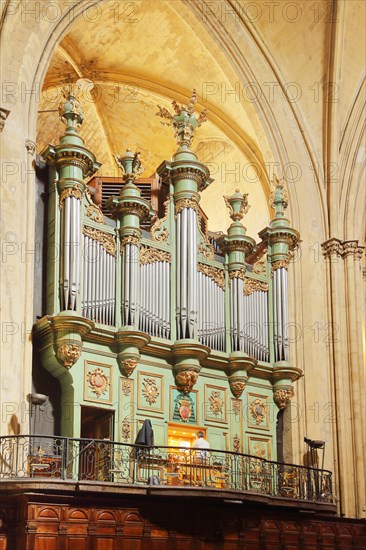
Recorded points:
135,55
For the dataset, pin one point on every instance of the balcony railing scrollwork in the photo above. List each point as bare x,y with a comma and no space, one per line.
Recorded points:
62,458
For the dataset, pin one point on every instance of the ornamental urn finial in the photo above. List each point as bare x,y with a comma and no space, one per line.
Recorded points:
279,197
237,205
184,121
70,110
130,164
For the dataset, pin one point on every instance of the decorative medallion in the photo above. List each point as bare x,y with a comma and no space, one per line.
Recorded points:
216,275
236,444
283,396
150,390
126,387
185,380
252,285
98,381
216,402
68,354
258,410
126,429
150,255
184,406
106,240
185,410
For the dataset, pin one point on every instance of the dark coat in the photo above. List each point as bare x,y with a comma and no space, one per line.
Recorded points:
145,436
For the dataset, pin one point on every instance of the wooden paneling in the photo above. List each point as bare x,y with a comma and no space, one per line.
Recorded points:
111,522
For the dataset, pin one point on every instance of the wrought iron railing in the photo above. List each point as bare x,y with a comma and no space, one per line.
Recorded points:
109,461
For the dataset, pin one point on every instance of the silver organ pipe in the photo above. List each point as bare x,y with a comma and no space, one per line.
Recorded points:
70,252
211,312
186,280
280,314
98,295
154,307
66,251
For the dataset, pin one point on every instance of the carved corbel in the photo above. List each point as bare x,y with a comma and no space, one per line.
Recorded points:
239,366
187,363
185,380
68,353
282,395
129,343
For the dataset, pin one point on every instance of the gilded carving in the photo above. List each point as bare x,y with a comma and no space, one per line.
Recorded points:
98,381
217,275
252,285
157,233
107,241
69,192
236,444
216,402
181,204
126,387
127,366
238,273
68,354
126,429
236,406
280,263
150,255
260,266
237,387
150,390
185,380
131,239
258,410
282,396
206,249
95,213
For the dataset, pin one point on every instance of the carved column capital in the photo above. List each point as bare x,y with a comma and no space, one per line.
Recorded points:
30,146
332,247
352,248
4,113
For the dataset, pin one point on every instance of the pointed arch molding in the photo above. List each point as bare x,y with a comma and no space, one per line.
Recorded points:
351,204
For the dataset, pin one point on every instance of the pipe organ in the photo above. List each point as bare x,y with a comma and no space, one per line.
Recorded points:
213,300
